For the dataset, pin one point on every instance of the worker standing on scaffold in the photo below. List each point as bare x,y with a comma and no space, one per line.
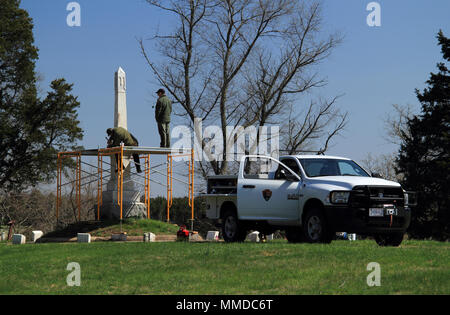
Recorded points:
162,115
118,135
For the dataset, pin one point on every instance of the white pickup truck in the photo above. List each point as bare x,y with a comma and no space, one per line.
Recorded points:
311,197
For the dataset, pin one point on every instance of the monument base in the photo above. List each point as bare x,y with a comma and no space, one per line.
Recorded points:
129,210
131,207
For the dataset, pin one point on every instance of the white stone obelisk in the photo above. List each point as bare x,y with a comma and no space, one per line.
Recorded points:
120,104
120,120
132,207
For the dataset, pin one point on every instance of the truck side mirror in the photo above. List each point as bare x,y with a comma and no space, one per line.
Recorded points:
290,177
377,175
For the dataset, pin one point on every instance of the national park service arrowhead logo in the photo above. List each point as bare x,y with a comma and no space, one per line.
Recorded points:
267,193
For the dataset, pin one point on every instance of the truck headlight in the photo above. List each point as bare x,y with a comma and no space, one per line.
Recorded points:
410,198
339,196
406,198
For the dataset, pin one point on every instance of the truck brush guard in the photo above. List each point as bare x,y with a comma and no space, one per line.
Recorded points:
366,196
390,199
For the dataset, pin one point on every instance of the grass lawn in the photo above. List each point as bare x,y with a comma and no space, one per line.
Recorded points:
137,228
417,267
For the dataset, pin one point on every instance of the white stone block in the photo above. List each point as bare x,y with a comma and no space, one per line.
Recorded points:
3,236
18,239
212,236
149,237
195,237
269,237
352,237
35,235
253,237
84,237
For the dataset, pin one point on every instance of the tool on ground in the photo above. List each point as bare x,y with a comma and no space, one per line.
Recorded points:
183,233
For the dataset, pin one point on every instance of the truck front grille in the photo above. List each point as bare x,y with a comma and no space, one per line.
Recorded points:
372,196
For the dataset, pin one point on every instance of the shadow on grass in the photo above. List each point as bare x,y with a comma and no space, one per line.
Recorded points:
132,226
73,229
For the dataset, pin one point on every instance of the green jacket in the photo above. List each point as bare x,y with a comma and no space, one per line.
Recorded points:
119,135
163,109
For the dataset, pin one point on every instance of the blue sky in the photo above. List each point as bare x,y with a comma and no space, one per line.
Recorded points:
373,68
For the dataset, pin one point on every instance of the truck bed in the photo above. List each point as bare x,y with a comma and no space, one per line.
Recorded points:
220,189
222,185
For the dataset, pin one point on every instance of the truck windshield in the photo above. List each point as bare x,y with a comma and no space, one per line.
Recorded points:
331,167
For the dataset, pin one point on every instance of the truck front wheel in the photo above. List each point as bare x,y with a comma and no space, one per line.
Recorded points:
315,229
232,230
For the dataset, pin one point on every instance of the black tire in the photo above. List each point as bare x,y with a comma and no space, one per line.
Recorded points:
315,228
394,239
294,235
232,228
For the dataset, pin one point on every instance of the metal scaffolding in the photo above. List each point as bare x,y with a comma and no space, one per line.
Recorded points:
145,154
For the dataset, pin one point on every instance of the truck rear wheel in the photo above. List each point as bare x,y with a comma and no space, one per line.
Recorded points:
394,239
315,229
232,230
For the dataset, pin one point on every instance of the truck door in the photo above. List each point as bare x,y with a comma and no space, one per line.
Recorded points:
267,190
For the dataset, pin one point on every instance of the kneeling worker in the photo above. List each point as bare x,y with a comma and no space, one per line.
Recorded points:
118,135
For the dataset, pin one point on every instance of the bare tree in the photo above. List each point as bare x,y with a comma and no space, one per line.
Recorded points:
280,80
383,164
29,210
185,74
36,209
395,124
317,123
245,63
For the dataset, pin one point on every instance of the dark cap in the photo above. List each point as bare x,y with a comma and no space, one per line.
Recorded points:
161,91
109,131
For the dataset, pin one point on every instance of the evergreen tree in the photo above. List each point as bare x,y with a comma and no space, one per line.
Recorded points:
424,154
32,131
